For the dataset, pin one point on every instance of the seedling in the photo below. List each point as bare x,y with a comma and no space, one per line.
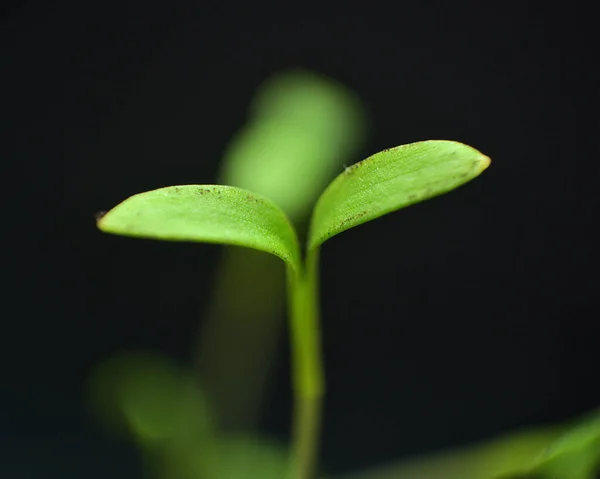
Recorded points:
383,183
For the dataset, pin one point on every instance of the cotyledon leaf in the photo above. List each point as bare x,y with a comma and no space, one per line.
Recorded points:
391,180
206,213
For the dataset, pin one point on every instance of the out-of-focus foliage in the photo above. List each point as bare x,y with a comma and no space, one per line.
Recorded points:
230,457
165,413
251,457
569,451
302,127
575,454
148,396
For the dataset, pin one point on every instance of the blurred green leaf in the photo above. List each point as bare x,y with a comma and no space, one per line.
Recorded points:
390,180
206,213
232,457
251,457
490,460
167,415
149,395
575,454
302,127
559,452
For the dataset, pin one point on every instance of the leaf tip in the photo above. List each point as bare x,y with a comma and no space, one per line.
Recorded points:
105,223
98,217
484,162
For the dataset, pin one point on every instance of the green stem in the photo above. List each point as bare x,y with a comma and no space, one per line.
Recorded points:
307,364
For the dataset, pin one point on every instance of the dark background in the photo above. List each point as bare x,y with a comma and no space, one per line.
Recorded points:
449,322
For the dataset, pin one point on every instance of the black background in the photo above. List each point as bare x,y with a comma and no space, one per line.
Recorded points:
454,320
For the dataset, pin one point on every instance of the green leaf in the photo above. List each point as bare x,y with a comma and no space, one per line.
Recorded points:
251,457
575,454
502,457
155,399
564,451
168,415
390,180
206,213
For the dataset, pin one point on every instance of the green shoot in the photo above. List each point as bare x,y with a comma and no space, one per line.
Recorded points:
383,183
